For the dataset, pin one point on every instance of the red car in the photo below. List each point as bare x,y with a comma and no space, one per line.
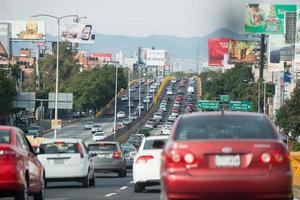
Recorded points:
234,155
175,110
21,173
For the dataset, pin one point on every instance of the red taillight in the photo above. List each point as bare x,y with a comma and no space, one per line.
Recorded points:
117,155
278,155
59,142
143,159
181,158
7,155
80,150
265,157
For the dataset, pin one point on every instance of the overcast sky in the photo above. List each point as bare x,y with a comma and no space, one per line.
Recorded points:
183,18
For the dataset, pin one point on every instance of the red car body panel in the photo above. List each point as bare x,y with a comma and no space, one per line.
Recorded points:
15,164
195,174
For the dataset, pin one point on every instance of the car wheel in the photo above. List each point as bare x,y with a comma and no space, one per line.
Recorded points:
92,181
85,181
41,194
138,187
22,195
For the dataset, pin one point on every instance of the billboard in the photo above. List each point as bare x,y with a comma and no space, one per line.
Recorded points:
5,44
27,30
155,57
243,51
217,48
103,57
78,33
297,45
276,47
266,18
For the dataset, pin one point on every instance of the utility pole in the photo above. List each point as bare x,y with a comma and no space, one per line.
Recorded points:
129,106
262,56
139,66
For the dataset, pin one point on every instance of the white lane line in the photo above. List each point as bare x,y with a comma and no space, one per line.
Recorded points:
110,194
123,188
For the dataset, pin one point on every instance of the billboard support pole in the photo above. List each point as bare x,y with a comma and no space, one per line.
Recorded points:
262,56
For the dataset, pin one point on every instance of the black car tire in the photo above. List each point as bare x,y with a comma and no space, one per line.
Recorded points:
22,195
85,181
41,194
92,181
138,187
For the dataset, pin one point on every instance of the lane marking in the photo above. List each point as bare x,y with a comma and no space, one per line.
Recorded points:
123,188
111,194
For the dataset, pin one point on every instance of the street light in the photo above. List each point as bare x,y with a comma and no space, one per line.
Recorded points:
57,56
258,96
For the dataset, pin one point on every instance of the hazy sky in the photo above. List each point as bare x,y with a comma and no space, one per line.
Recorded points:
182,18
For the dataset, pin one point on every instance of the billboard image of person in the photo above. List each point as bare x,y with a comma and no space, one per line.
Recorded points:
217,48
276,46
78,33
266,18
243,51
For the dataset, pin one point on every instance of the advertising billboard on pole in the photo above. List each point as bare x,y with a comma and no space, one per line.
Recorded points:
276,46
30,30
297,45
217,48
266,18
5,44
78,33
243,51
155,57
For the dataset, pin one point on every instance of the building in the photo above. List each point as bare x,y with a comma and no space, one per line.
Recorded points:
92,60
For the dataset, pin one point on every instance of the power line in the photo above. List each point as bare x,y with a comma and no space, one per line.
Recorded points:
7,10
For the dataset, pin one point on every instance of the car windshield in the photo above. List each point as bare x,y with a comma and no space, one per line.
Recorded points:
4,136
97,126
154,144
225,127
94,148
99,134
60,148
128,149
34,128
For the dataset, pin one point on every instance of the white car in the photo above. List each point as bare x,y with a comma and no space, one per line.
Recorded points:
165,129
141,106
88,125
124,98
173,80
67,159
146,100
96,128
170,92
172,117
98,136
158,116
150,125
148,160
151,90
121,114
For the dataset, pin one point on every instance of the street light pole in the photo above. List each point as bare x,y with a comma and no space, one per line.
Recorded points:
265,88
57,59
139,91
258,100
129,106
116,99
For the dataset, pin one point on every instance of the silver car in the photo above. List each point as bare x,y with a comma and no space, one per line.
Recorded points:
108,157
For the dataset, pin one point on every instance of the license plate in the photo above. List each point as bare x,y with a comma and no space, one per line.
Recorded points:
101,156
227,160
59,161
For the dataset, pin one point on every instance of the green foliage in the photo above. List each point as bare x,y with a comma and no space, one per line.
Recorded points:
288,116
94,89
7,93
295,146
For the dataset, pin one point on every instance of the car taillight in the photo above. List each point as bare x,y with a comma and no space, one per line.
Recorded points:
277,155
143,159
80,150
7,155
265,157
117,155
181,158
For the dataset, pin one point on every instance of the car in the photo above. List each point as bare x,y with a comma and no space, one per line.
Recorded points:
146,100
225,151
172,117
165,129
136,98
176,105
158,116
109,111
33,131
131,105
149,124
118,126
127,121
148,160
66,159
175,110
152,90
96,127
124,98
132,89
134,142
121,114
99,135
108,157
145,131
88,125
141,106
155,122
133,116
86,33
173,80
129,152
137,136
170,92
21,173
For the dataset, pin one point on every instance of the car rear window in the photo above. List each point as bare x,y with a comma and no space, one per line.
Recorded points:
154,144
4,137
224,127
61,148
101,147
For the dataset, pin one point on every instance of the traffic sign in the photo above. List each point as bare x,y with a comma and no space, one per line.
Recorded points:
240,105
208,105
224,98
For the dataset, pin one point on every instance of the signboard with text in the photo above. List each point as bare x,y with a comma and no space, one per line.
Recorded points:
240,105
208,105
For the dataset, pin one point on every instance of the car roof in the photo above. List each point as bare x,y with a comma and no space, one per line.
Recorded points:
157,137
103,142
218,113
6,128
66,140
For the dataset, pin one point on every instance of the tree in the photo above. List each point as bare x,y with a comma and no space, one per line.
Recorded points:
7,93
288,116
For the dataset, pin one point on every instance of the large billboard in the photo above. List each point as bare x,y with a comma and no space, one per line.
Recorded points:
78,33
297,45
266,18
103,57
217,48
5,44
243,51
27,30
155,57
276,46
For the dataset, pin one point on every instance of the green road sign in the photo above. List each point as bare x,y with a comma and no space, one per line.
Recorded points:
224,98
240,105
208,105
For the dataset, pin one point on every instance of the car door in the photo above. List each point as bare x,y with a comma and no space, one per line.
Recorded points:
89,160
